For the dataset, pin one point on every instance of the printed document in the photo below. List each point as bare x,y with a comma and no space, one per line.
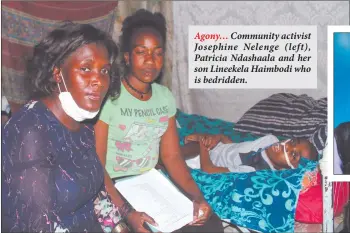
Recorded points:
155,195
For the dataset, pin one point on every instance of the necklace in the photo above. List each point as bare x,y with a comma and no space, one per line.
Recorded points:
134,89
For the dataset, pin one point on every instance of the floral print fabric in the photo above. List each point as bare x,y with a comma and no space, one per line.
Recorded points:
51,176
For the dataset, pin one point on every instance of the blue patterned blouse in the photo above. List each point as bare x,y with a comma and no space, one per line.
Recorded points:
51,175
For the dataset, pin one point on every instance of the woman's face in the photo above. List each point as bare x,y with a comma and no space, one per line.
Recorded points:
87,75
147,54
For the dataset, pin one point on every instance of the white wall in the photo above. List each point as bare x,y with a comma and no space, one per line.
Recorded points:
231,104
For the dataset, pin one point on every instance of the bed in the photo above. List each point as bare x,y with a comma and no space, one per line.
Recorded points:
256,195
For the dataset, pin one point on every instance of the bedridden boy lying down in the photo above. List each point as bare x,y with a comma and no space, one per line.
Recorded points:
218,153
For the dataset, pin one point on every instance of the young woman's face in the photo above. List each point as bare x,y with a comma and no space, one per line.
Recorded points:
294,148
87,75
147,54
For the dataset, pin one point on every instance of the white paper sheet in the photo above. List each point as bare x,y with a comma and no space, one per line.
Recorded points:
155,195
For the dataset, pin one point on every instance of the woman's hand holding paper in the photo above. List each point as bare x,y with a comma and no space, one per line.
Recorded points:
201,212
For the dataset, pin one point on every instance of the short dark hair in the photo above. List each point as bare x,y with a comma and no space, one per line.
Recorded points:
342,138
57,46
139,20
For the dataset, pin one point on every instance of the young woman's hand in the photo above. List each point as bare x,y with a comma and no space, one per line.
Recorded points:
137,220
201,212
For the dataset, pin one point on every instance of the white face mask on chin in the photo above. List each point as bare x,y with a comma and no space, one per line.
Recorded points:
71,108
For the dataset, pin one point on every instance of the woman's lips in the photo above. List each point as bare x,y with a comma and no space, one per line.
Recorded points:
94,96
149,72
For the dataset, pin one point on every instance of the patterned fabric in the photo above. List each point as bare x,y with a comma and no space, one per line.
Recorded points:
108,215
50,175
263,200
192,123
319,138
135,129
25,23
309,180
288,115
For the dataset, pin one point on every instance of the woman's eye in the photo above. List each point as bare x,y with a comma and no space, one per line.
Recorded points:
141,52
105,71
159,53
85,69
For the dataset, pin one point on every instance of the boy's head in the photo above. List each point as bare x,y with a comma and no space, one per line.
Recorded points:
287,154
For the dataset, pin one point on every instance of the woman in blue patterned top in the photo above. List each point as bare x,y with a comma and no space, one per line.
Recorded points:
51,173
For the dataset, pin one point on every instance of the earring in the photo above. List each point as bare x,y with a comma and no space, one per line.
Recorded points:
58,80
58,77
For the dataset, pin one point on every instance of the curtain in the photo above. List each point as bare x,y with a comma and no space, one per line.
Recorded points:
126,8
24,24
231,104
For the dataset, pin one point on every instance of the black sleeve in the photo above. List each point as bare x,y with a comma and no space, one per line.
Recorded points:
27,169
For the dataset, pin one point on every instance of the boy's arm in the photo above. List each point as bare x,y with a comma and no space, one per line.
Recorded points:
191,147
206,164
225,140
210,140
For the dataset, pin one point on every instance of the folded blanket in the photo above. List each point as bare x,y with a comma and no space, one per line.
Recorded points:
192,123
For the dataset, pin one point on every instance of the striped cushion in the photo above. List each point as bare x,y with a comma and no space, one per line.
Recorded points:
288,115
